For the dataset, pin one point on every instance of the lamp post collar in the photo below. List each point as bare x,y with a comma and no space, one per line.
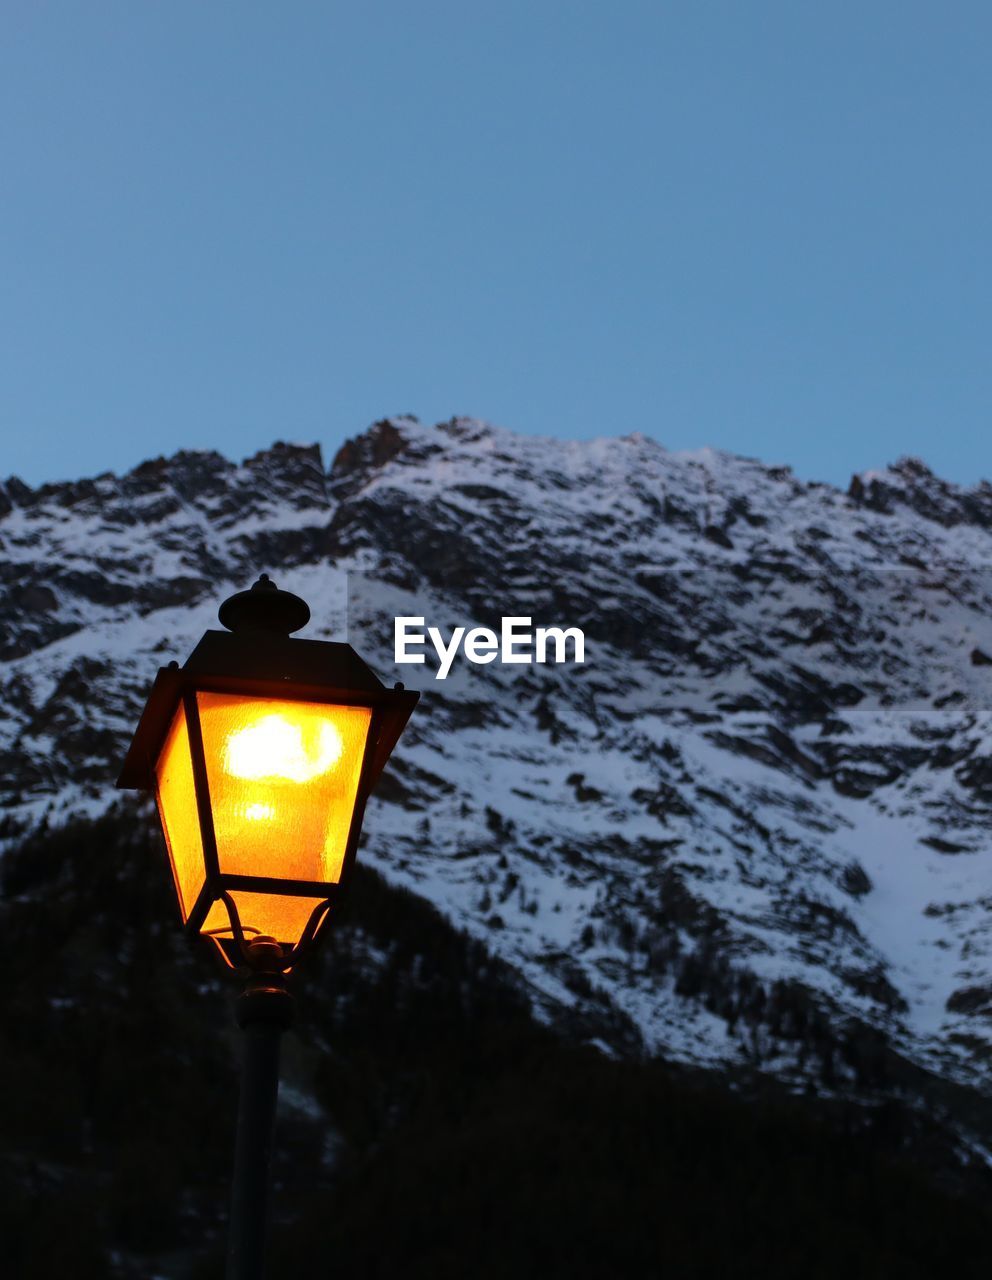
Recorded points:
265,998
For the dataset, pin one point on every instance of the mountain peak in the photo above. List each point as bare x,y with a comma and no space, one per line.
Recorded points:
366,453
909,482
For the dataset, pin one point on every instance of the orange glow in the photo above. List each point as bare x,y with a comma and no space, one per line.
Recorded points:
283,779
257,812
276,749
271,914
177,809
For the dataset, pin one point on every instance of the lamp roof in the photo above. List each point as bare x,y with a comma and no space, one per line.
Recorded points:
257,660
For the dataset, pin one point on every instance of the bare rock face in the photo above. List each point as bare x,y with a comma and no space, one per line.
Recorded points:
910,483
357,460
157,538
752,826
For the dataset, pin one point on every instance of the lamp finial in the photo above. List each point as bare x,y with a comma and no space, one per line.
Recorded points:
264,608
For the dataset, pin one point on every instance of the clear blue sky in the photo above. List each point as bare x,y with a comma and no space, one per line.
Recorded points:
763,226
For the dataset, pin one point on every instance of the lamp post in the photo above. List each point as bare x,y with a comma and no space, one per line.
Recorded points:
261,752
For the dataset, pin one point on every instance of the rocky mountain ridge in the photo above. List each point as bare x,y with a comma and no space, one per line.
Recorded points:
748,833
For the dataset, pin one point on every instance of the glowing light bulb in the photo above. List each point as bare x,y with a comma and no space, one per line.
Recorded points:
259,812
274,749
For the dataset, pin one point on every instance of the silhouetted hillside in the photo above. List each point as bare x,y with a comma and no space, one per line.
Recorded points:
429,1126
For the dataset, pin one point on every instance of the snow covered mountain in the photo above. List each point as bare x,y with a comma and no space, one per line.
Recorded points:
750,831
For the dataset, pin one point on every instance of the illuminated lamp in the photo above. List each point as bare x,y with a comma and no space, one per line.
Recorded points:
261,752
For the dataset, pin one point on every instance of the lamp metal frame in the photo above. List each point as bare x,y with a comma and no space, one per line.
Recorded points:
256,664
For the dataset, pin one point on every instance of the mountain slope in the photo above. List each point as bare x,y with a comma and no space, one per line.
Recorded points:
416,1091
749,832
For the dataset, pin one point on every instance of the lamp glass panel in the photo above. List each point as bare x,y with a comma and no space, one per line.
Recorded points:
283,779
176,797
272,914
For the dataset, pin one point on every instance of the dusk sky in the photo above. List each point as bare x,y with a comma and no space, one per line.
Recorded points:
763,227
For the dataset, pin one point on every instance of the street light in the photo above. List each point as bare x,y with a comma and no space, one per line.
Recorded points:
261,752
